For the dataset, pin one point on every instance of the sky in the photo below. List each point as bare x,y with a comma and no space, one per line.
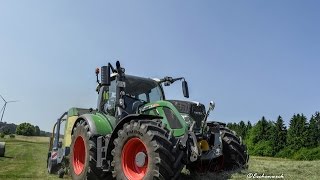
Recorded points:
253,58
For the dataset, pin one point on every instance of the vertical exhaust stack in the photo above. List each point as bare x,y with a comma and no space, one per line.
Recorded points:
105,75
103,86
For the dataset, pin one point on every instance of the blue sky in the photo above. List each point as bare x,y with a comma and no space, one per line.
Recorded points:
253,58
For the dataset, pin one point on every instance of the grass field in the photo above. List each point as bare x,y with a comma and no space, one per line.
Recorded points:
290,169
25,158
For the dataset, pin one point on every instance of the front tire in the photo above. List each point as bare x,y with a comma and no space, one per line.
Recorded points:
234,152
83,154
144,150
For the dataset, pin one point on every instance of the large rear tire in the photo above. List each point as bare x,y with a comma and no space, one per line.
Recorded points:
144,150
234,152
83,154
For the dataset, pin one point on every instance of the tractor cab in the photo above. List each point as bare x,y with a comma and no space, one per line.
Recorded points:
121,95
137,91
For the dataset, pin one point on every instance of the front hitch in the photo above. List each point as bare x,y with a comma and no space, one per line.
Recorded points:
188,144
216,148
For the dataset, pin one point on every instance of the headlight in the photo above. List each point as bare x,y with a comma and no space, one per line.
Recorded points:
187,119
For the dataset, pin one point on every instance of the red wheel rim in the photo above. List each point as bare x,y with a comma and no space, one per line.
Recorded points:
79,155
130,151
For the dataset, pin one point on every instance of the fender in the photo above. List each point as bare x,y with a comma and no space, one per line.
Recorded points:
214,123
99,124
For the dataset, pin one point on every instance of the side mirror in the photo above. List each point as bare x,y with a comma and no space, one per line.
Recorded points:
185,89
212,105
105,75
118,65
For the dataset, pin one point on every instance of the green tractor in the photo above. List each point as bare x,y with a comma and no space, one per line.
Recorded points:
135,133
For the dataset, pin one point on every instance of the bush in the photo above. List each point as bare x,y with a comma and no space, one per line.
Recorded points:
287,152
262,148
2,135
25,129
302,154
12,136
307,154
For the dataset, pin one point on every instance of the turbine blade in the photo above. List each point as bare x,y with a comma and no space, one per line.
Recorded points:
4,109
12,101
3,99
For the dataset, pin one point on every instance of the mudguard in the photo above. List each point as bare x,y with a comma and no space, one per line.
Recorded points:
99,124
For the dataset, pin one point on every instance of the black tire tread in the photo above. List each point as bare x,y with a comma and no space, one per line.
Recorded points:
93,173
161,145
234,152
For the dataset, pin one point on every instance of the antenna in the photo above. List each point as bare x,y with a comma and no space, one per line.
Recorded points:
4,106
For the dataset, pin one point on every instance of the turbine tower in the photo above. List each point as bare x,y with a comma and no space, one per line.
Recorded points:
4,107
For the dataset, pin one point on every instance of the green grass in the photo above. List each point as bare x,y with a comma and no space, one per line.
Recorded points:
25,158
32,138
290,169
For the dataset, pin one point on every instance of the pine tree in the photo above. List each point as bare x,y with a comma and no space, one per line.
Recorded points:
317,124
314,130
262,131
233,126
260,139
242,129
297,133
248,129
304,131
280,135
249,125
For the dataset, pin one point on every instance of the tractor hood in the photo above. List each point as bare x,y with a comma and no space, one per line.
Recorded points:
171,115
195,110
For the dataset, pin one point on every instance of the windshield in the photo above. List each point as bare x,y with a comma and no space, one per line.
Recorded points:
144,89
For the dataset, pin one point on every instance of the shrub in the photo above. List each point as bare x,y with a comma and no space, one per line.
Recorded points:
287,152
307,154
12,136
2,135
262,148
25,129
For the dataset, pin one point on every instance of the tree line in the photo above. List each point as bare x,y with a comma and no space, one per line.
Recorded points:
301,140
27,129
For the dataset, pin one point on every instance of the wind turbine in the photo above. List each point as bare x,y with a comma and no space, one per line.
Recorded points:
4,106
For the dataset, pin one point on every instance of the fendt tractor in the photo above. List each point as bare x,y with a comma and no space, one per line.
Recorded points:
135,133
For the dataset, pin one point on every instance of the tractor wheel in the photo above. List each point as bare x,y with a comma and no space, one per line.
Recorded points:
234,152
83,154
144,150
